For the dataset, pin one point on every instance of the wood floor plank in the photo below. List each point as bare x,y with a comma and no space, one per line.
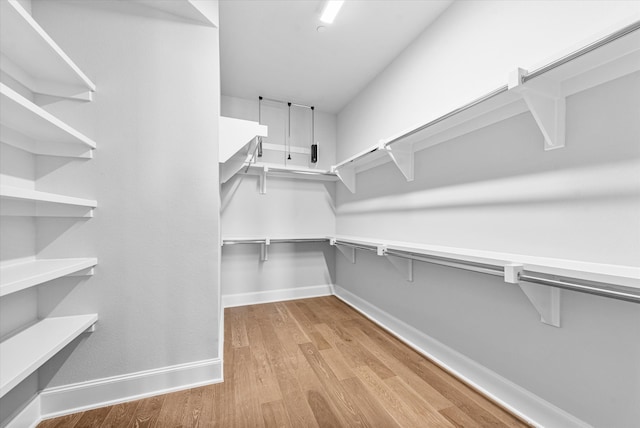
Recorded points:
61,422
120,415
323,411
147,412
452,389
342,399
407,376
368,404
247,410
310,363
173,409
274,415
297,407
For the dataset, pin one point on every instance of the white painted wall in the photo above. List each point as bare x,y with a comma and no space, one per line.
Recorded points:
496,189
289,208
155,176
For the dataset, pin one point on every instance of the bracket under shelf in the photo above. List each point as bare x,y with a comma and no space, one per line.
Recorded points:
348,252
402,264
546,103
545,299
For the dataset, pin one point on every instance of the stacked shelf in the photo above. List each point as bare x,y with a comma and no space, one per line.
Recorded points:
29,127
20,276
25,352
33,62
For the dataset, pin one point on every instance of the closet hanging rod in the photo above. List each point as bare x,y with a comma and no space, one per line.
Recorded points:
276,240
302,172
582,51
285,102
629,294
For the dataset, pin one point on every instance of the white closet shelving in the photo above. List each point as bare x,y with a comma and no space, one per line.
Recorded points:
542,92
26,351
237,144
29,127
32,61
31,57
20,276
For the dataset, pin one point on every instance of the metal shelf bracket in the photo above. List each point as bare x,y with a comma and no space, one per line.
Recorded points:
402,157
347,174
545,299
263,180
264,250
402,264
547,104
348,252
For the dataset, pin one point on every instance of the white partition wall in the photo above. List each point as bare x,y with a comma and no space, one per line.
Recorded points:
155,229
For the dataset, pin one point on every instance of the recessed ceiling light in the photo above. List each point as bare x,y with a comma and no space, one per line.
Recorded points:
321,29
331,9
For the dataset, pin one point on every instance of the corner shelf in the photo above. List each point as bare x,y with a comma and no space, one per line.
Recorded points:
45,202
529,272
20,276
31,128
36,61
238,139
24,352
542,92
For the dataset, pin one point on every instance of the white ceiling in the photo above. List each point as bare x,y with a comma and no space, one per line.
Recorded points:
271,47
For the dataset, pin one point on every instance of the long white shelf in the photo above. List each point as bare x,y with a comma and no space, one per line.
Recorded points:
31,57
9,192
19,276
542,92
31,128
25,352
627,276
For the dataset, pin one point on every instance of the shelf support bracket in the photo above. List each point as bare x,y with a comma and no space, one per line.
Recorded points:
546,300
264,250
402,157
91,328
348,252
402,264
547,105
263,180
347,174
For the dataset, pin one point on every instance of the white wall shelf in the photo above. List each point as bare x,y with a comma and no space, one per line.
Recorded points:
37,62
238,142
275,170
31,202
31,128
24,352
542,92
265,242
530,272
20,276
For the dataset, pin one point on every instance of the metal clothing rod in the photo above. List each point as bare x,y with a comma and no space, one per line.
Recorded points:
443,261
582,51
272,241
628,294
473,103
357,246
286,102
293,171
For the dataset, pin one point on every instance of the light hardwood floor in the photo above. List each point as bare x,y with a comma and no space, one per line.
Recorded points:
309,363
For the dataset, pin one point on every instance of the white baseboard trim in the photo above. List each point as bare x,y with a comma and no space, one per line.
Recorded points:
29,416
243,299
516,399
59,401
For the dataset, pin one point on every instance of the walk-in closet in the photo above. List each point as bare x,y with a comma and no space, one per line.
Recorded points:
319,213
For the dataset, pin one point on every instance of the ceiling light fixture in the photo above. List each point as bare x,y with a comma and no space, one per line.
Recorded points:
331,9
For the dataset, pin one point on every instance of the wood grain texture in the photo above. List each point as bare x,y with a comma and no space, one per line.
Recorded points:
309,363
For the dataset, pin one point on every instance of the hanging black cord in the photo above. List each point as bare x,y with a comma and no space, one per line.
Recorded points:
289,121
